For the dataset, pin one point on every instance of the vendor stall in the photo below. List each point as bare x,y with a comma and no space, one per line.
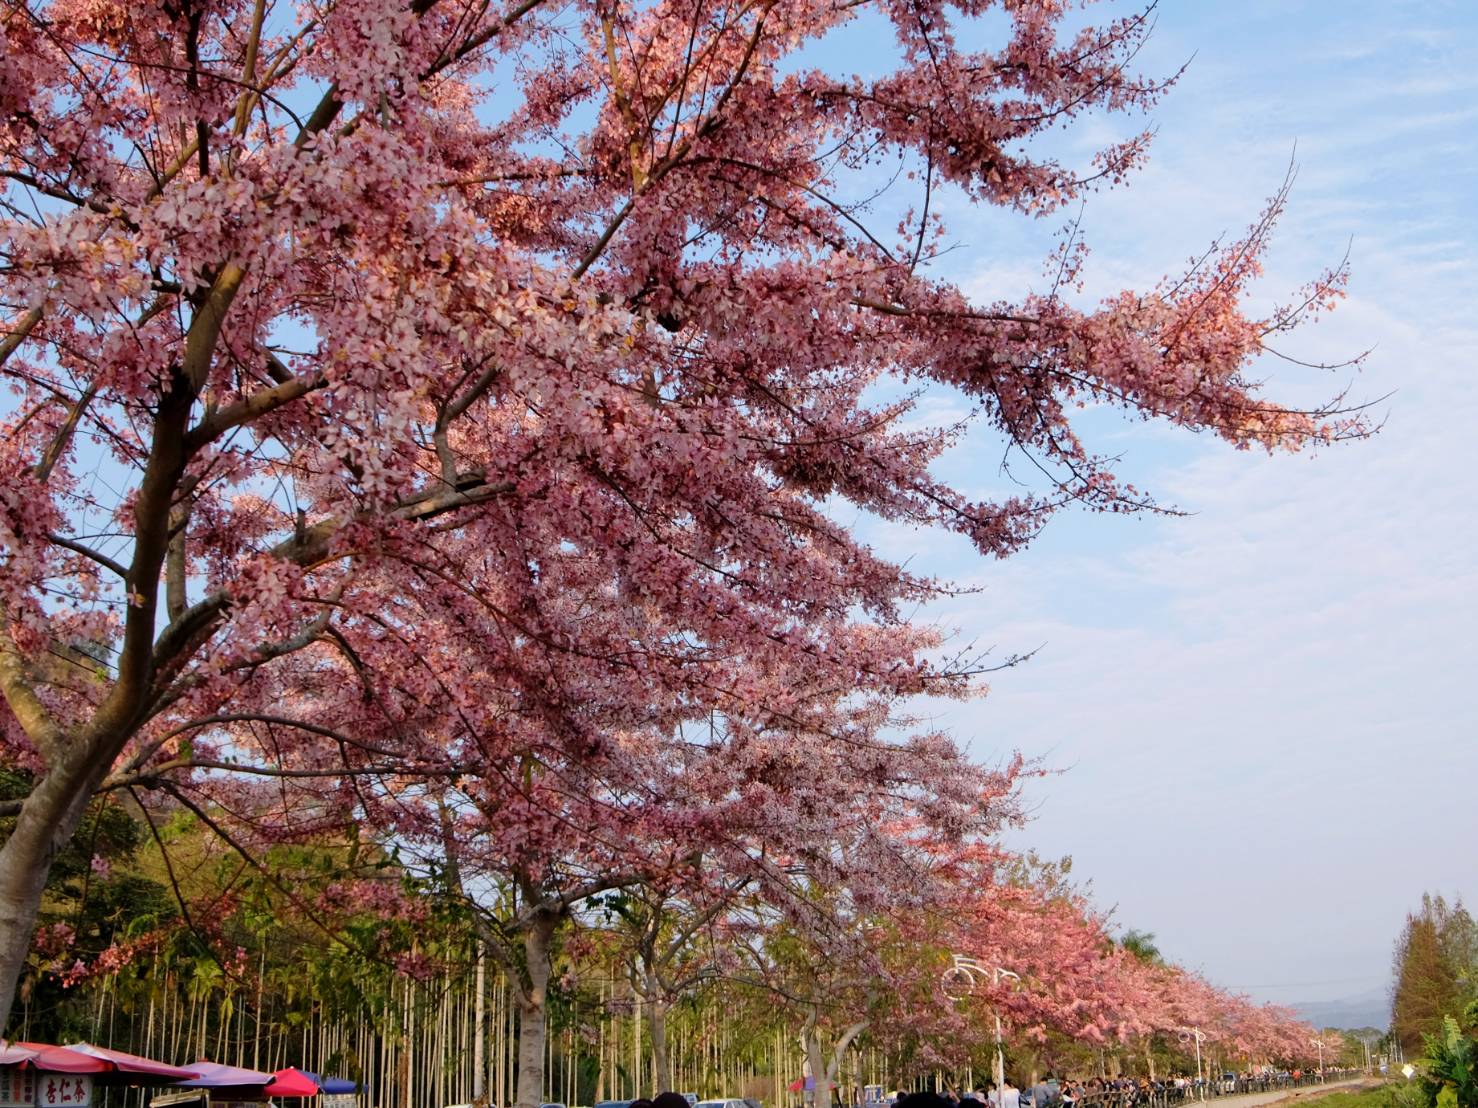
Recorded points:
38,1075
220,1086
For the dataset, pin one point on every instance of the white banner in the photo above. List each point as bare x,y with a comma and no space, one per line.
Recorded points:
63,1090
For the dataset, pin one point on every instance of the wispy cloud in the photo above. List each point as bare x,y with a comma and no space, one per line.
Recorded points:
1265,706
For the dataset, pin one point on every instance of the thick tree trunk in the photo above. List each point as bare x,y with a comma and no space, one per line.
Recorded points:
533,1010
662,1068
45,824
1149,1055
816,1061
839,1053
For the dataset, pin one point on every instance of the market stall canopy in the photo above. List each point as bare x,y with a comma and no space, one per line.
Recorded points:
334,1085
131,1065
291,1082
50,1059
215,1075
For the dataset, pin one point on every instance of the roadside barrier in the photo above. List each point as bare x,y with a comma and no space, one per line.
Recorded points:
1164,1094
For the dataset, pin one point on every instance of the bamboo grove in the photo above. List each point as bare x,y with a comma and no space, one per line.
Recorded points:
157,939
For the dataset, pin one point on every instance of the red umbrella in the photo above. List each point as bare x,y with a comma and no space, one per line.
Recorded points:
50,1059
291,1082
121,1062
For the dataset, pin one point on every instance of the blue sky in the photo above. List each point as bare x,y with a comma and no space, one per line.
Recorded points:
1264,709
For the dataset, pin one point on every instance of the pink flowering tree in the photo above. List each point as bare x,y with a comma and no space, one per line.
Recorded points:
1177,1003
851,936
354,351
814,815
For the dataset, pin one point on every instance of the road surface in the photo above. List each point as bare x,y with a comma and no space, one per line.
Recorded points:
1308,1092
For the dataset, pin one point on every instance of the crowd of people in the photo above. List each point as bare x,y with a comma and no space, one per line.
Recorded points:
1049,1092
1120,1092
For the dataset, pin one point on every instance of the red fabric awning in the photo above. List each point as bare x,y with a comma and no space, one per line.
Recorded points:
291,1082
50,1059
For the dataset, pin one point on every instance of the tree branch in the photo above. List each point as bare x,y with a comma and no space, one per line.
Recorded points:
252,407
18,334
21,698
89,553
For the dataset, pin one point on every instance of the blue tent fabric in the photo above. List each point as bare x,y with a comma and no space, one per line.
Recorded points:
334,1084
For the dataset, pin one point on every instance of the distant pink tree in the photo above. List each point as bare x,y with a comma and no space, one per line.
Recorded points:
379,364
1180,1003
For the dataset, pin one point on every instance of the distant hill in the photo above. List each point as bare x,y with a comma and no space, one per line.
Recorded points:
1369,1009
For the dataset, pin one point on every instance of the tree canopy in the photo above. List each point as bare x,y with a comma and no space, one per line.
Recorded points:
441,418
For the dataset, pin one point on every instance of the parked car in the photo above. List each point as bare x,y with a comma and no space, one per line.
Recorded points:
613,1104
728,1102
1228,1083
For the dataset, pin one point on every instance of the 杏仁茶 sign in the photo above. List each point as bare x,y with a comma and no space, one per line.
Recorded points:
63,1090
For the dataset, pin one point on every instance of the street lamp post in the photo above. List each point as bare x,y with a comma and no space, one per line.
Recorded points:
1320,1044
1186,1036
961,977
995,979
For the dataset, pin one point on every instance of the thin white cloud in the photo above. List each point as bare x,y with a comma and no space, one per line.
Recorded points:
1265,707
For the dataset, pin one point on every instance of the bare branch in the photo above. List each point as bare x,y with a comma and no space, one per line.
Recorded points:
89,553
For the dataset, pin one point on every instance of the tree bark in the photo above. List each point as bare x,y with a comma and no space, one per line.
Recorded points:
44,825
661,1064
533,1010
820,1082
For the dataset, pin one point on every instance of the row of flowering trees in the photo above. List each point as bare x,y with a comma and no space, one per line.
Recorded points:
336,955
430,423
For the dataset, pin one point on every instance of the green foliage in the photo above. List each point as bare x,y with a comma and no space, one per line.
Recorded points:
1405,1094
1388,1096
1450,1067
1141,944
98,898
